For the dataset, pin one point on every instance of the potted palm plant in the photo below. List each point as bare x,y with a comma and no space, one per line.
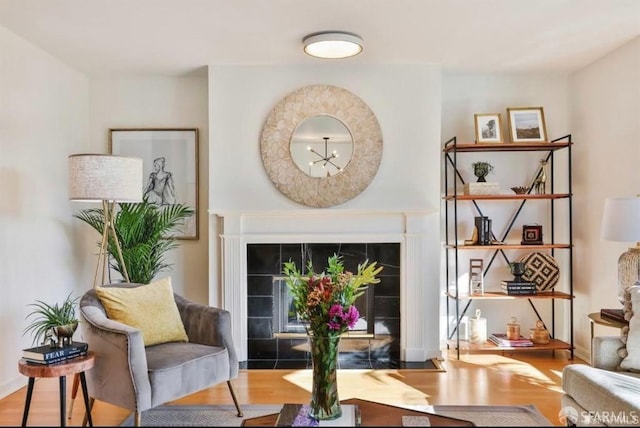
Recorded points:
52,320
144,232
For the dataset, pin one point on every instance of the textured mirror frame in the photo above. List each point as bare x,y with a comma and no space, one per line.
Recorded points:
312,101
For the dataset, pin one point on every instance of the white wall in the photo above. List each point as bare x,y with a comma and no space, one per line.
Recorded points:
605,112
43,119
465,95
162,102
406,101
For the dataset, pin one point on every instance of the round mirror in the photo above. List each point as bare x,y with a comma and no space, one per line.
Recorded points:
321,146
342,110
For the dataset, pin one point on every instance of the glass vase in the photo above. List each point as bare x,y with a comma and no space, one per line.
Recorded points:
325,404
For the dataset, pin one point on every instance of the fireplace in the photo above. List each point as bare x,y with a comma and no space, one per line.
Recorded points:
277,339
246,289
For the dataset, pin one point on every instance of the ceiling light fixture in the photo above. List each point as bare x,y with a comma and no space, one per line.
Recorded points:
332,44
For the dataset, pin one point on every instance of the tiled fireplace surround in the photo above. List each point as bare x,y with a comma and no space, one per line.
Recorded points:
253,246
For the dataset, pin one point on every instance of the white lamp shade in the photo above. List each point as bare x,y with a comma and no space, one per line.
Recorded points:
96,177
621,220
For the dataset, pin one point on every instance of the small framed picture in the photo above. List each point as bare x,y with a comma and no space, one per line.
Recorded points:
488,127
531,234
526,125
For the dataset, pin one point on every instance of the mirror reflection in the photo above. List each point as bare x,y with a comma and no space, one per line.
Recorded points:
321,146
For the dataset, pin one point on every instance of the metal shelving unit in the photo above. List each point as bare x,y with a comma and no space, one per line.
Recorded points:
452,246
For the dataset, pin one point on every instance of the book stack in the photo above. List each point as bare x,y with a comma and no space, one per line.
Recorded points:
47,354
483,225
501,339
297,415
518,287
613,315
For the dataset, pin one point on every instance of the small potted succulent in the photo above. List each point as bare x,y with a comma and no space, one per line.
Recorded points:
54,323
481,169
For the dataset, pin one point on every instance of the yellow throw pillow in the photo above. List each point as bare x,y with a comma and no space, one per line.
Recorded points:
150,308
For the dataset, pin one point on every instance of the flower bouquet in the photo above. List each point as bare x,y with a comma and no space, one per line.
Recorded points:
325,303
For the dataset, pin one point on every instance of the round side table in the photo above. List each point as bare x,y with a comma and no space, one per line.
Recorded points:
71,367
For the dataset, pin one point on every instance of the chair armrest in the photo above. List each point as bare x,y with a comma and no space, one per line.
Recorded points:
605,352
208,326
120,374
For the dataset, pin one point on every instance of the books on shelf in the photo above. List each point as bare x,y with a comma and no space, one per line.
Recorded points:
47,354
297,415
518,287
500,339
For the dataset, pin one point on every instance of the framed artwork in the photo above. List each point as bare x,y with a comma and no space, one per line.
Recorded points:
526,125
169,167
488,128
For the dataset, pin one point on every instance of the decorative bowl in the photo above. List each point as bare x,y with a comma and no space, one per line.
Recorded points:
520,190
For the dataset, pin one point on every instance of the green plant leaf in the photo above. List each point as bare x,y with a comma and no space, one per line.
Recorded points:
145,232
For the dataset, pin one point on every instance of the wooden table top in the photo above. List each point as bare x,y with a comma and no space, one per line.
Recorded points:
373,414
73,366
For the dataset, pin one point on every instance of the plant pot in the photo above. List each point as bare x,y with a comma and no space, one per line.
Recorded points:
64,333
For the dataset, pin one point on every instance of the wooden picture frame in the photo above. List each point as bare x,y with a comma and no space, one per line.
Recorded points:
526,125
488,127
172,151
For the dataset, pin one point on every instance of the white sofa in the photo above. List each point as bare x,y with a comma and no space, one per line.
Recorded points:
599,395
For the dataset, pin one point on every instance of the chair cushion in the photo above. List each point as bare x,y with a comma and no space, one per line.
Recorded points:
150,308
178,369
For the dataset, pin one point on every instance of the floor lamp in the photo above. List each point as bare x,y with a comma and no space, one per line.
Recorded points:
107,179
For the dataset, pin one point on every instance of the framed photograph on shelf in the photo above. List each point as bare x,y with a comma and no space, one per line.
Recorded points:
488,128
526,125
169,166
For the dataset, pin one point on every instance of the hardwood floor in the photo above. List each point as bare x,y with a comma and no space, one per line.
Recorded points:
524,377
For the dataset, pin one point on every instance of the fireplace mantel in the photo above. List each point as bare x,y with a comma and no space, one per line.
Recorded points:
419,311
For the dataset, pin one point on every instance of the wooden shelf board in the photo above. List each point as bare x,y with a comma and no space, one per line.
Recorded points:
497,295
505,147
506,197
509,247
491,347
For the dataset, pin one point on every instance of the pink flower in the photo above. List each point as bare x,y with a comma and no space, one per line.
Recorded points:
352,316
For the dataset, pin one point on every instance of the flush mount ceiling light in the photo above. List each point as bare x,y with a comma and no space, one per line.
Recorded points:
332,44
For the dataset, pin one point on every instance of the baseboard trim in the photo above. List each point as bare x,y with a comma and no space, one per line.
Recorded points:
12,385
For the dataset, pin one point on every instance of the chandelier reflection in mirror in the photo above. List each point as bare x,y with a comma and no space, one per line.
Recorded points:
321,146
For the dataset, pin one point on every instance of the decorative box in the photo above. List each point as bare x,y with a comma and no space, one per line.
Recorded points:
481,188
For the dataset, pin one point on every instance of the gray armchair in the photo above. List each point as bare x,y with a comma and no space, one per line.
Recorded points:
129,375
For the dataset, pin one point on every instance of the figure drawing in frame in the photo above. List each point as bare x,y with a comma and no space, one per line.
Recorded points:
160,189
489,129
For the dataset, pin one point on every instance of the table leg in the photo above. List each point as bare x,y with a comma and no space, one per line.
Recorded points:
63,399
74,393
27,403
85,395
591,341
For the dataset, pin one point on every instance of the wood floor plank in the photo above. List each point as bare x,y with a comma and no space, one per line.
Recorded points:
522,377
